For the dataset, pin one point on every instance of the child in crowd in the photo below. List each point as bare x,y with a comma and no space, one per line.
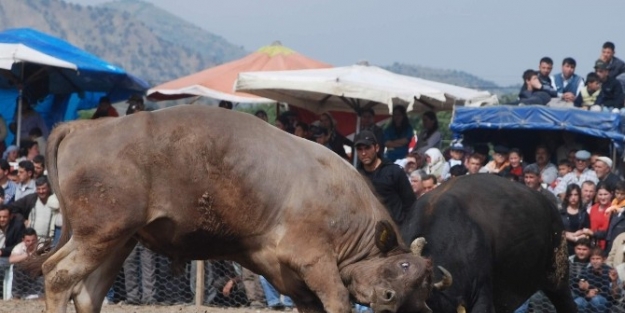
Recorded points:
588,95
564,167
618,204
456,152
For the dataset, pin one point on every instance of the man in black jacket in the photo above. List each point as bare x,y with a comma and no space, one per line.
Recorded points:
11,232
611,94
388,179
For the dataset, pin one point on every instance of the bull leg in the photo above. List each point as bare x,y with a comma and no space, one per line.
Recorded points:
561,299
90,294
322,277
68,268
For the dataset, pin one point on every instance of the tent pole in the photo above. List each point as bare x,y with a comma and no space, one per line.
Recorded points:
354,152
19,109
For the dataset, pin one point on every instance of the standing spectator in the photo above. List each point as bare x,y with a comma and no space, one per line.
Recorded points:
499,161
367,122
261,114
26,184
416,182
28,150
532,179
615,65
398,134
589,191
302,130
599,220
36,135
569,143
548,171
388,179
8,186
474,164
456,151
611,95
568,84
590,93
457,171
140,276
603,169
24,285
435,163
336,140
135,104
30,120
531,91
580,173
39,166
11,231
39,209
574,217
104,109
281,122
275,300
430,137
429,183
222,104
544,76
515,166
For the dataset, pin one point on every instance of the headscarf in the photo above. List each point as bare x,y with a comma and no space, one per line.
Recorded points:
9,149
437,162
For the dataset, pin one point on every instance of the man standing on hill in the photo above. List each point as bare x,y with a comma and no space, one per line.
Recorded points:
388,179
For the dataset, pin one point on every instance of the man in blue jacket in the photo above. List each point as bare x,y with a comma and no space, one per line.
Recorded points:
611,95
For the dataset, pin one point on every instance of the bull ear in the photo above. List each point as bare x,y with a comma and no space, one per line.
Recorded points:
385,236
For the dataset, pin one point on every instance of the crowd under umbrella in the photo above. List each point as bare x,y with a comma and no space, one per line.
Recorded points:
216,82
37,65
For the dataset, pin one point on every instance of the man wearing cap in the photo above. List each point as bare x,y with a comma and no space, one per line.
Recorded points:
532,179
135,104
611,94
388,179
603,169
580,173
367,122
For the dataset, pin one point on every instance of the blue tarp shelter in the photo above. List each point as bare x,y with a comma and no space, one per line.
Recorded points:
39,65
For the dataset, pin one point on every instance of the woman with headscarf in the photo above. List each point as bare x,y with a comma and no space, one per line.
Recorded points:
430,137
435,163
336,141
398,134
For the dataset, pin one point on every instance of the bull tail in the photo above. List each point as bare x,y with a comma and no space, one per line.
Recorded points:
558,274
33,265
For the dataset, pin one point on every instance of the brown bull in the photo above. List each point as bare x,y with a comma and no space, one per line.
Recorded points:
193,182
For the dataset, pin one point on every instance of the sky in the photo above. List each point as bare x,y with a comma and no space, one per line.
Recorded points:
493,39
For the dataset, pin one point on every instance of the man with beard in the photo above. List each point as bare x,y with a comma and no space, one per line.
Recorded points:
388,179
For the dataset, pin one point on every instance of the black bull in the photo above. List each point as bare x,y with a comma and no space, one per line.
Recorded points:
500,240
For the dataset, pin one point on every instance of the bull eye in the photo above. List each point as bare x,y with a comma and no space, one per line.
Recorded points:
405,265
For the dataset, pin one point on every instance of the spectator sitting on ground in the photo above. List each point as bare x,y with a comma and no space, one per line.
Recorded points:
568,84
611,96
615,65
598,283
531,91
589,93
104,109
547,81
24,285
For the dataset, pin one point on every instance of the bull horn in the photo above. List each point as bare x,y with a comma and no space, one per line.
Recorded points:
417,246
445,282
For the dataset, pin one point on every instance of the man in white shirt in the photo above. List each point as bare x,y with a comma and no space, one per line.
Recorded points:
25,286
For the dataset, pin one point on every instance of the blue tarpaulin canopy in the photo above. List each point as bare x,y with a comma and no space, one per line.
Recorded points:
38,65
537,117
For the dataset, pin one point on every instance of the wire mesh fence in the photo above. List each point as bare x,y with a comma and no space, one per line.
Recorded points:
147,278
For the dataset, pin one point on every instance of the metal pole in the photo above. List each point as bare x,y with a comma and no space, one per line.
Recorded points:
354,152
199,283
19,109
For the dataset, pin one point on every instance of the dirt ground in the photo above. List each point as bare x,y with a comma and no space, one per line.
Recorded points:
37,306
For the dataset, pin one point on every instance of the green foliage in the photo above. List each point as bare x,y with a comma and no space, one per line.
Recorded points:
508,98
269,108
444,119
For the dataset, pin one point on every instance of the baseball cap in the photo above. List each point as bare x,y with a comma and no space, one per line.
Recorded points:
456,146
365,137
600,65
